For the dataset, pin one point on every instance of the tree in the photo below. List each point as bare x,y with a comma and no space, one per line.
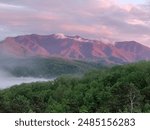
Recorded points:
20,104
134,96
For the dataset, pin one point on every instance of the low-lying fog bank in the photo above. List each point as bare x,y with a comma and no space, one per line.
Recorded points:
7,80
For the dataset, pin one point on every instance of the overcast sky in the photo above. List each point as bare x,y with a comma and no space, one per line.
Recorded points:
114,19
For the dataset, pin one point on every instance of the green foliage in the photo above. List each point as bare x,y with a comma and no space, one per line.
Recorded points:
123,88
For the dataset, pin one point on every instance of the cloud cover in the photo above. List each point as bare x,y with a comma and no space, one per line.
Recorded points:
94,19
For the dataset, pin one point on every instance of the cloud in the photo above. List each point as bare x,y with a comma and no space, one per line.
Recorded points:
88,18
136,22
10,6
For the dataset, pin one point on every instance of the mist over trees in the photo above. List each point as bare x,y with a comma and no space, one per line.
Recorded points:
123,88
44,67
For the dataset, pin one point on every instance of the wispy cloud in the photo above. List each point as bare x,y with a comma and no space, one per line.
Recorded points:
10,6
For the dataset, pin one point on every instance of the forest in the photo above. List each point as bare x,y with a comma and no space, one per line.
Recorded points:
117,89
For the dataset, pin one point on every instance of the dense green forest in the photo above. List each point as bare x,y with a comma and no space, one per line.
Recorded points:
45,67
124,88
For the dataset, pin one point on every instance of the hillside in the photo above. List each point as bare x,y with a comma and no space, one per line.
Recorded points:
74,48
45,67
123,88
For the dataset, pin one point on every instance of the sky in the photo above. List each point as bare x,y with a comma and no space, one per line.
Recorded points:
117,20
132,1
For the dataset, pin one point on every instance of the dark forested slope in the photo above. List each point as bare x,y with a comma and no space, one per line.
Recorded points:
45,67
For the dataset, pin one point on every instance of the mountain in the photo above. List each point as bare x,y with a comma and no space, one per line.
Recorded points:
73,47
135,50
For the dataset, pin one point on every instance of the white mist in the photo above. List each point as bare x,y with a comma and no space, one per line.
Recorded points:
7,80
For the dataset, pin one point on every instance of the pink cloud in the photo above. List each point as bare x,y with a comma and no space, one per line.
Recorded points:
136,22
93,29
90,18
81,28
46,16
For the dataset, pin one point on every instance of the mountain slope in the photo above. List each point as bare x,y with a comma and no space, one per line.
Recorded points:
74,47
136,50
45,67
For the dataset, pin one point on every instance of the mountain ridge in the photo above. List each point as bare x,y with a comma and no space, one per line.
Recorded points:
74,47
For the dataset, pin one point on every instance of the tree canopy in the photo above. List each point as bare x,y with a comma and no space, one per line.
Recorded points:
124,88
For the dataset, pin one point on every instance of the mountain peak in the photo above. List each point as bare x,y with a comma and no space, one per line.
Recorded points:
132,45
74,47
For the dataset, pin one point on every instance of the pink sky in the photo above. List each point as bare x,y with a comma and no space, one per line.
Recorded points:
118,20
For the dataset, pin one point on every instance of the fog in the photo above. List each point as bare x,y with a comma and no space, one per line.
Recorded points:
7,80
15,71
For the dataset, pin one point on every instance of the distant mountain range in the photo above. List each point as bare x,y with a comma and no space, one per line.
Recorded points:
73,47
